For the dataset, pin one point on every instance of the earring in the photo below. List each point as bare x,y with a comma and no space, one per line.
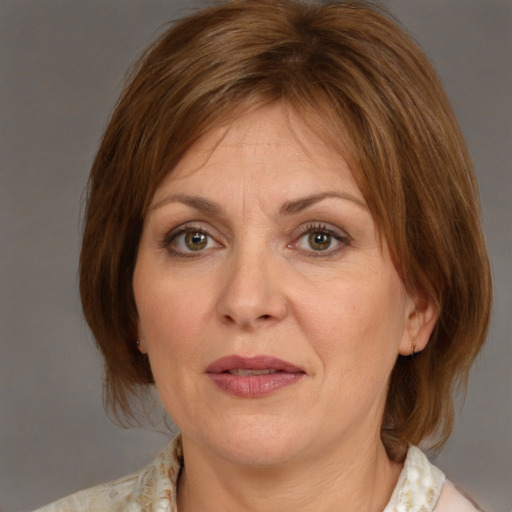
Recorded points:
413,349
137,342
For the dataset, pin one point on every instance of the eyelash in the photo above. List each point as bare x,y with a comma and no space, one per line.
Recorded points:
173,235
343,239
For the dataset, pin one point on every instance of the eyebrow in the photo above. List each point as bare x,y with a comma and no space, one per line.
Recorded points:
198,203
298,205
289,207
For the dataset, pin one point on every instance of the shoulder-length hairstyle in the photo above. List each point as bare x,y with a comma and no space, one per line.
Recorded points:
352,74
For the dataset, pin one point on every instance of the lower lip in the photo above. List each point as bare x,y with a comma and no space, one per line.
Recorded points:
254,386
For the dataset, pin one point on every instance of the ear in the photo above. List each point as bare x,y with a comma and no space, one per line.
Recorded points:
141,345
421,313
141,340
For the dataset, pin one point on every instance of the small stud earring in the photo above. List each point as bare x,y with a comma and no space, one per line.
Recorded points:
413,349
137,343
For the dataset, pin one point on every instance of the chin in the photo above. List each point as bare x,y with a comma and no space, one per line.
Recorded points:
257,442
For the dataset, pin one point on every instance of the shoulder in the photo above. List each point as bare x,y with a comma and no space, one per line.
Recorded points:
154,485
451,500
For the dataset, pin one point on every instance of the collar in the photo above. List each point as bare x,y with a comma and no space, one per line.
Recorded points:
419,485
417,490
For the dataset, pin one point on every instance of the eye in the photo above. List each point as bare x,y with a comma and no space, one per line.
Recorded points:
187,240
195,240
321,239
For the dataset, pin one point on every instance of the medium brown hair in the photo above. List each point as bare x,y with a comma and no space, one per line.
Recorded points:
362,84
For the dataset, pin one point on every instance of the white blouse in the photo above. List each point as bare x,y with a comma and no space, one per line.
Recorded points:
421,487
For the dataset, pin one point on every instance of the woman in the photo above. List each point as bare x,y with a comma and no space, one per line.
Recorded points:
282,235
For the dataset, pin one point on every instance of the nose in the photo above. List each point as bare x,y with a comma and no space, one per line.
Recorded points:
252,294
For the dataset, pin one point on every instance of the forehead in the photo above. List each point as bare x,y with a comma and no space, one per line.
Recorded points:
265,145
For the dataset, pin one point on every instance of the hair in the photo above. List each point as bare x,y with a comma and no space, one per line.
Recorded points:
351,72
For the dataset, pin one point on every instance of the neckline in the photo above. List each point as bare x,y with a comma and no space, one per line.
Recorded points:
418,487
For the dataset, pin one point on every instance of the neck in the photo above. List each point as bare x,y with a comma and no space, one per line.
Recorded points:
342,480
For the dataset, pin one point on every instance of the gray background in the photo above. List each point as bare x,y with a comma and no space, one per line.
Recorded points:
61,66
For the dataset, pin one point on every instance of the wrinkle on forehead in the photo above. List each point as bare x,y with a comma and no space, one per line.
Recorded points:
241,142
235,135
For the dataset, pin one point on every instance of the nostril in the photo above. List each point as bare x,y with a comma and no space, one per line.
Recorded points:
265,317
229,318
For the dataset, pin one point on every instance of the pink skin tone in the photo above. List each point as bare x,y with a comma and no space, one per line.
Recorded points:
258,255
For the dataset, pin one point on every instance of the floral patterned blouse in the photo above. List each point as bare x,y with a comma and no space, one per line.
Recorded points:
421,487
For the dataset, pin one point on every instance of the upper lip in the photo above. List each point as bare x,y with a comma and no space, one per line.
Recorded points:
262,362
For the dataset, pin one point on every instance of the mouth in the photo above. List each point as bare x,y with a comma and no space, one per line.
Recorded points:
244,372
253,377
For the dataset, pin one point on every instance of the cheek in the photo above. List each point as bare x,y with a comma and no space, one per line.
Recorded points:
357,326
172,323
171,313
172,319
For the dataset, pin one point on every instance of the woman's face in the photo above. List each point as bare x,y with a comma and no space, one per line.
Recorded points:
271,313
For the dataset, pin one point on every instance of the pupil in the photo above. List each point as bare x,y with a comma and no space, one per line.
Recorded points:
319,241
195,241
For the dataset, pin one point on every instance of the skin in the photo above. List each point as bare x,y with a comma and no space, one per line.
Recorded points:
261,285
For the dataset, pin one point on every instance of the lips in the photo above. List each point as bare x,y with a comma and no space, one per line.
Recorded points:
253,377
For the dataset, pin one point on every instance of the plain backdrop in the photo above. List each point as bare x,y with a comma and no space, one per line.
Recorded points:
62,63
